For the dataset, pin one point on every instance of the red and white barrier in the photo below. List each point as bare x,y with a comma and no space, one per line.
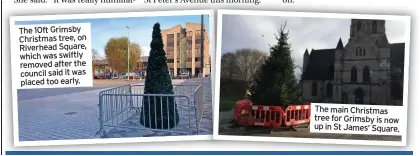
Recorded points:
270,116
296,115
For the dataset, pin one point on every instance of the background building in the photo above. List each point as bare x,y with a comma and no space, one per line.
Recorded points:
182,47
367,70
183,51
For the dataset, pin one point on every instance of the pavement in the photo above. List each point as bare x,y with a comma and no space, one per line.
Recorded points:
188,121
66,113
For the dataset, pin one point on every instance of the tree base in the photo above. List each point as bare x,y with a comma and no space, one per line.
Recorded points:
161,114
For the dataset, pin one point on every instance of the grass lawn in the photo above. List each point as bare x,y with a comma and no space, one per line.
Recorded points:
227,103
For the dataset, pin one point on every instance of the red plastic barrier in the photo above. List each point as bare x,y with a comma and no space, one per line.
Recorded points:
298,114
242,112
278,117
261,115
270,116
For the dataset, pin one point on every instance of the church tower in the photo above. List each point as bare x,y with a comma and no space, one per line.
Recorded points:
368,27
366,63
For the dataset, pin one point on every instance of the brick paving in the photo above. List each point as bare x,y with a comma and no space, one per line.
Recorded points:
67,116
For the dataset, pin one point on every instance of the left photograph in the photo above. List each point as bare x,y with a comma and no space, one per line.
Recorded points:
126,77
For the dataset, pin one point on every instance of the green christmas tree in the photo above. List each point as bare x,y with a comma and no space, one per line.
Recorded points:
273,85
158,112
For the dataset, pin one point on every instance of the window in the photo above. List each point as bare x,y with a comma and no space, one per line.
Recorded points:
169,52
353,74
359,96
170,60
374,27
314,89
360,52
366,74
189,34
189,50
197,51
329,89
198,41
170,36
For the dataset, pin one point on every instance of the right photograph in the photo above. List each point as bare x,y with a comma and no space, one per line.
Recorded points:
322,78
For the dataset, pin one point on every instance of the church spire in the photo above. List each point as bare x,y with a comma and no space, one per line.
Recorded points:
305,60
339,44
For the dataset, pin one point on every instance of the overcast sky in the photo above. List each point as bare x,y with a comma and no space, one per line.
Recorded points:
257,32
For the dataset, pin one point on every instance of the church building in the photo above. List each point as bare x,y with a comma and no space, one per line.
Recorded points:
367,70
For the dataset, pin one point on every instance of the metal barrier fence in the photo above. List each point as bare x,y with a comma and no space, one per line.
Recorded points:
156,112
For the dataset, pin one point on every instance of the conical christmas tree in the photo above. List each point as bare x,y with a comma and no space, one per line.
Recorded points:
274,83
158,112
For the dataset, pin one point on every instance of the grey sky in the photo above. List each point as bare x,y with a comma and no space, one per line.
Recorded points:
257,32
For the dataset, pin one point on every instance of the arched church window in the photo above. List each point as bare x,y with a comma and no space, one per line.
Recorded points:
329,90
366,74
353,73
374,27
364,52
359,94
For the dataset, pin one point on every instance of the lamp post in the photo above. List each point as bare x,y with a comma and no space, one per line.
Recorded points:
202,45
128,53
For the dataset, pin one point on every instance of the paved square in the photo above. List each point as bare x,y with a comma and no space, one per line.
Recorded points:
75,116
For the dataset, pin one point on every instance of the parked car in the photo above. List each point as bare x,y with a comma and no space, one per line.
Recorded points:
98,77
131,75
183,76
138,75
123,76
115,76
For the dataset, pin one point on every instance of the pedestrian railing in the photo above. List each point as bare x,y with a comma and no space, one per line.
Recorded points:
154,112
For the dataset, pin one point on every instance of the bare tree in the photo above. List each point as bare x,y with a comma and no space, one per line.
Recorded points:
229,66
96,57
249,61
258,58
